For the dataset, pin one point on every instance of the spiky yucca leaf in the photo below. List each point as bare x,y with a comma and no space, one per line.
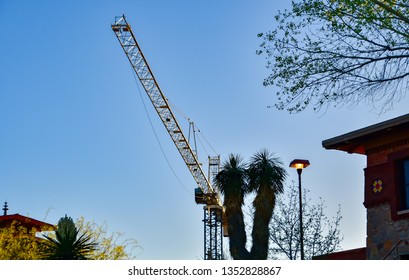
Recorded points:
67,243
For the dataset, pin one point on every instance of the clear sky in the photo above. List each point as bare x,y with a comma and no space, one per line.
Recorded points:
76,140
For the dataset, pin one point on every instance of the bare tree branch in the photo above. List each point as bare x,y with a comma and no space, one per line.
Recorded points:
321,234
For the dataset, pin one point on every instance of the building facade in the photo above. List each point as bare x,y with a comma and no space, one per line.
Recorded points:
386,195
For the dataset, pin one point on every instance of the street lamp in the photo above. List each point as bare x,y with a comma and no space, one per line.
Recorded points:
300,164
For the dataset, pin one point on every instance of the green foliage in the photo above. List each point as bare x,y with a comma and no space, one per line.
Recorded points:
338,52
68,243
82,240
87,240
111,246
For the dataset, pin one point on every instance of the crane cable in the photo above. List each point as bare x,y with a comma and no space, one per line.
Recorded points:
200,134
156,135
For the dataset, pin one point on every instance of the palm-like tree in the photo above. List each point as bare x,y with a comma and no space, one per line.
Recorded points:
266,177
231,181
68,243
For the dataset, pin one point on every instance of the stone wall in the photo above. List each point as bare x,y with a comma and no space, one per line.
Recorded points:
383,233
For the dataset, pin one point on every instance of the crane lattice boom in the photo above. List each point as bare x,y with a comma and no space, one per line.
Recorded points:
129,44
204,193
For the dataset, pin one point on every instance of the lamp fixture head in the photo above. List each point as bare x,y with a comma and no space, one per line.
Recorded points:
299,163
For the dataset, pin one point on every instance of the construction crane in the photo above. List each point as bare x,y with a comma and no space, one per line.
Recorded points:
204,192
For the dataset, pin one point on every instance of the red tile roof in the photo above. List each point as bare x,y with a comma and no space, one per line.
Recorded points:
6,220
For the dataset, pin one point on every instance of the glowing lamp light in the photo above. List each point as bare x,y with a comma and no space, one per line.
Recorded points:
299,163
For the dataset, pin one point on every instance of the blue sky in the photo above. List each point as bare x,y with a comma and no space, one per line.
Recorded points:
76,139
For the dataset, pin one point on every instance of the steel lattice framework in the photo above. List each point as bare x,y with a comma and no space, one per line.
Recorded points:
205,194
213,235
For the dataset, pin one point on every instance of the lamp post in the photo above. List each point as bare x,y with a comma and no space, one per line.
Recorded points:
300,164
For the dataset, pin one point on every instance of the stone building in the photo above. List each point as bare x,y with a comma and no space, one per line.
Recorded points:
386,195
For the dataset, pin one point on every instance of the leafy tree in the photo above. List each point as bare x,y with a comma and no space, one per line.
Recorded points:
17,242
321,235
263,176
68,243
111,246
338,52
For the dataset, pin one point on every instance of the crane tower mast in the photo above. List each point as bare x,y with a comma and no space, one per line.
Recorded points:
204,193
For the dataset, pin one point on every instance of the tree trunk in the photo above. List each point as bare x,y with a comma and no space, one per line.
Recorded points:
237,233
264,205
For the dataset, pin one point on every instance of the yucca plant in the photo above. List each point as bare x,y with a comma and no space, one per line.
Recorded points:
68,243
264,176
231,181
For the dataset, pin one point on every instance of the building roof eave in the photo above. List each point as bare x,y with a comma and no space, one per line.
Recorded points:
357,141
25,220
